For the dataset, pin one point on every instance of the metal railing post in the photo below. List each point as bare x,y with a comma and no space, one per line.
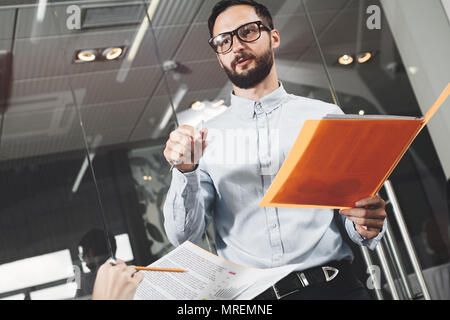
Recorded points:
368,260
407,239
387,271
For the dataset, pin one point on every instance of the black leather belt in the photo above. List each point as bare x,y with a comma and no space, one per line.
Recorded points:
299,280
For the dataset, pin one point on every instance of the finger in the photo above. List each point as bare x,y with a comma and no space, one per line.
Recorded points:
369,233
130,271
375,201
177,137
370,223
181,149
138,277
186,130
173,156
364,213
204,133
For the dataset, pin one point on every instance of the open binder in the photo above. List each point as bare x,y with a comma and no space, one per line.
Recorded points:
340,159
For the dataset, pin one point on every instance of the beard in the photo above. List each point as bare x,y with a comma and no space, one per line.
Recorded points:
252,77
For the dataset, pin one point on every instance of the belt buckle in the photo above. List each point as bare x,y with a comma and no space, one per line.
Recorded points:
278,295
329,277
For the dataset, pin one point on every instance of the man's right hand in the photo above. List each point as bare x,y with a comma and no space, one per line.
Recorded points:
185,147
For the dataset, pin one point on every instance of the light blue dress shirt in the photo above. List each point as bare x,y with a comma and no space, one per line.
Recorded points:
247,145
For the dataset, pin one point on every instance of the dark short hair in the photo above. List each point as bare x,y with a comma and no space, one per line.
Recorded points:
95,239
262,12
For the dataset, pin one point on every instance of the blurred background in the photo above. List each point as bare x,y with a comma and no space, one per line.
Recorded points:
88,91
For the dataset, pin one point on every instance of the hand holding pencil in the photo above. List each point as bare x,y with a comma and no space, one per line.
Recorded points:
118,281
185,147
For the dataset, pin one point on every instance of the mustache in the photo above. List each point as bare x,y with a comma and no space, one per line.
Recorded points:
241,56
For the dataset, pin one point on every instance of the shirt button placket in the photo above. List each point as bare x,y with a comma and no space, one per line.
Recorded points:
262,124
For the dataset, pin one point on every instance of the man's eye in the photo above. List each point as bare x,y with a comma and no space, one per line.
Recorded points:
223,42
247,32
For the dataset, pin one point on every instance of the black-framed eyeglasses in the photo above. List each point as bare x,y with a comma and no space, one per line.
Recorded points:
249,32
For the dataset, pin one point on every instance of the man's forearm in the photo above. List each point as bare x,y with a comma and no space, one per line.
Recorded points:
184,209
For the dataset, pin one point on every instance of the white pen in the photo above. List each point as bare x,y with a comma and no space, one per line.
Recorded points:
175,163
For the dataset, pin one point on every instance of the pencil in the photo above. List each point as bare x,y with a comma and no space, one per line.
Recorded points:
158,269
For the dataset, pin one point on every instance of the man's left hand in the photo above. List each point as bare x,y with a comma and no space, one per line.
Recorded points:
368,216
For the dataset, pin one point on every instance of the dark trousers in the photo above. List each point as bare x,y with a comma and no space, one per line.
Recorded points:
344,287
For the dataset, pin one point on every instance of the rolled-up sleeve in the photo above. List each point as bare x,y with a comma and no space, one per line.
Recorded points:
188,206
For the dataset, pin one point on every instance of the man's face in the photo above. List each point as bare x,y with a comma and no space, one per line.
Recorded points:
246,64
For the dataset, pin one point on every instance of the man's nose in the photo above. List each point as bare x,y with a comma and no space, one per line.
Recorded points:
238,45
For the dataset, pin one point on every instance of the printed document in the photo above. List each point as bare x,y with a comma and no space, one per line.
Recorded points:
207,277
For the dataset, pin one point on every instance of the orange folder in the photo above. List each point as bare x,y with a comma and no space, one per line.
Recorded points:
337,161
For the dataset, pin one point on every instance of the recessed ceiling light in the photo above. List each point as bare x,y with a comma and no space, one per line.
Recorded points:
364,57
345,59
198,105
86,55
219,103
112,53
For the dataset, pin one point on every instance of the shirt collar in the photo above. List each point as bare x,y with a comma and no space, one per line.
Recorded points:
246,107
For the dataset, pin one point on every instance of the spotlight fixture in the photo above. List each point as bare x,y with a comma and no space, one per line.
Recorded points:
99,54
198,105
364,57
112,53
86,56
345,59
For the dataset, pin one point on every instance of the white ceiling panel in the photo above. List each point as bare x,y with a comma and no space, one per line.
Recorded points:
176,12
7,23
18,148
35,88
195,46
5,45
103,87
121,115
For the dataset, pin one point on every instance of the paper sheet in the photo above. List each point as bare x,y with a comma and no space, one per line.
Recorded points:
208,277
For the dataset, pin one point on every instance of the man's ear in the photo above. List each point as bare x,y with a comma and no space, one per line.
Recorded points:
275,38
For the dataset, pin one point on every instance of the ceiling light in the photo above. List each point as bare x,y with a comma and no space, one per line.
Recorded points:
361,112
364,57
219,103
198,105
345,59
112,53
413,70
86,55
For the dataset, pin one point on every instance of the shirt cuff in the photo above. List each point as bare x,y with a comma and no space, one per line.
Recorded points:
183,179
360,240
